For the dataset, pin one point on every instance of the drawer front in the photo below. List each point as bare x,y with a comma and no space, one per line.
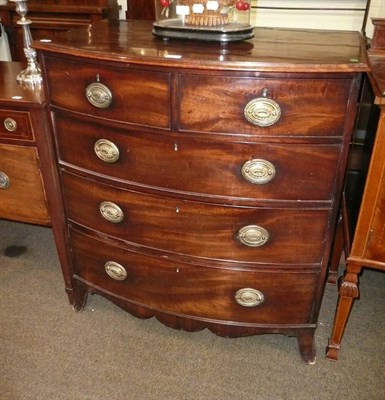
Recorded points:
144,101
188,290
250,170
22,196
192,228
15,125
307,107
375,248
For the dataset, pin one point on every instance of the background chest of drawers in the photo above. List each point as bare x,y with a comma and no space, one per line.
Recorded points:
365,245
200,182
51,17
22,116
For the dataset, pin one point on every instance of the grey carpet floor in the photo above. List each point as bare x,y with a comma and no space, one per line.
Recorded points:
48,351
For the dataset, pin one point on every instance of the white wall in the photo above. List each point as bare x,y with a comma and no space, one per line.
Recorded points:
123,9
339,20
5,54
316,19
377,10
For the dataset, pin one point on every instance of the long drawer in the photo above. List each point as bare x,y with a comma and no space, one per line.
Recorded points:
192,165
22,196
263,235
144,101
289,107
186,290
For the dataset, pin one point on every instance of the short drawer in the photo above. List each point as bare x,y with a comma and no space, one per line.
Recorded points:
185,290
120,94
291,107
22,196
247,234
196,166
15,125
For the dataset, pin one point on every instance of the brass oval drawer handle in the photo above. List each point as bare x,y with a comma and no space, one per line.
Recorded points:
253,236
248,297
106,151
10,124
262,111
258,171
4,180
115,271
111,212
99,95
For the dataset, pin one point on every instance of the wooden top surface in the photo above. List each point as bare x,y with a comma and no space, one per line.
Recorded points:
12,93
271,49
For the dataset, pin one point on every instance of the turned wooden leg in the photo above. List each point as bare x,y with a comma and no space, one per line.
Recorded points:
306,346
338,248
347,293
77,296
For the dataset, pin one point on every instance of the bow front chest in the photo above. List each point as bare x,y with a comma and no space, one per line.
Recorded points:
200,182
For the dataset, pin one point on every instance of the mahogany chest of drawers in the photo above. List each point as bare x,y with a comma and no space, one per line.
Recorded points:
201,182
23,123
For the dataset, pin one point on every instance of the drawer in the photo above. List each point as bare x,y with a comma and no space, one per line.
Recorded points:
144,101
187,290
269,235
196,166
307,107
15,125
22,197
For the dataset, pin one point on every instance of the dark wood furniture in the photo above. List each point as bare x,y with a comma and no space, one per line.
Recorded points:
201,182
23,123
366,249
51,17
141,9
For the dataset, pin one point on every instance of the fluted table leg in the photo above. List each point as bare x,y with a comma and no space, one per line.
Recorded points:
348,292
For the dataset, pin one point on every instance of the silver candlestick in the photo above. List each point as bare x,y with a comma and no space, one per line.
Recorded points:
32,74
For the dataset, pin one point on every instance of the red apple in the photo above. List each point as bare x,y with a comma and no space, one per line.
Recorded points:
239,5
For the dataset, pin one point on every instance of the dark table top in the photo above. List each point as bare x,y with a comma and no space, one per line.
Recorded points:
11,92
271,49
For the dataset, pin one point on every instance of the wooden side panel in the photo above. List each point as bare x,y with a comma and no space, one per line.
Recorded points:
24,199
369,238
